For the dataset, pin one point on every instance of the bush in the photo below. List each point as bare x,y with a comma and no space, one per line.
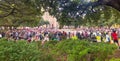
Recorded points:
21,51
77,50
66,50
115,59
18,51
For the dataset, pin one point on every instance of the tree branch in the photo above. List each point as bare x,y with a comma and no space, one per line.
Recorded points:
113,3
5,15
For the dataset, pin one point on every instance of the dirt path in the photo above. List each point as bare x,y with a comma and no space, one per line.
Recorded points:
116,55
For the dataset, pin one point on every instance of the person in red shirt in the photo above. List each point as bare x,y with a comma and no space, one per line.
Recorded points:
114,36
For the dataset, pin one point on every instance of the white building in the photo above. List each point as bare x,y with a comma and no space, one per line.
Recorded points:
52,20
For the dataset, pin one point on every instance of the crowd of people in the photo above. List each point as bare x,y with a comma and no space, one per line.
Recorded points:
46,34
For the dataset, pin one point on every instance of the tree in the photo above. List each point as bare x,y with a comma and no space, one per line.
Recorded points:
76,11
113,3
43,22
92,12
108,16
19,12
64,10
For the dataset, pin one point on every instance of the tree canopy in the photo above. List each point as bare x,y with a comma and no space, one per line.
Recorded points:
113,3
18,12
74,12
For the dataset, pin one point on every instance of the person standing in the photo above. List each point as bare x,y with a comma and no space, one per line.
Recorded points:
0,35
107,38
114,36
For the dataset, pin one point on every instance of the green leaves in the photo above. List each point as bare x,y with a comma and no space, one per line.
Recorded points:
77,50
21,50
43,22
68,50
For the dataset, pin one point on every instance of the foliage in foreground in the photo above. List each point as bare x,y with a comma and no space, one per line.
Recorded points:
77,50
114,59
21,51
68,50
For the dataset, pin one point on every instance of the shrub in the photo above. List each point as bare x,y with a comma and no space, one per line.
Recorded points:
115,59
18,51
77,50
66,50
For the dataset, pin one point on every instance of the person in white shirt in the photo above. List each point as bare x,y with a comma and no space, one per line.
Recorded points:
107,38
0,35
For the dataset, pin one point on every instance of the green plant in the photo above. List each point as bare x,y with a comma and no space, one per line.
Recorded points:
77,50
66,50
18,51
115,59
